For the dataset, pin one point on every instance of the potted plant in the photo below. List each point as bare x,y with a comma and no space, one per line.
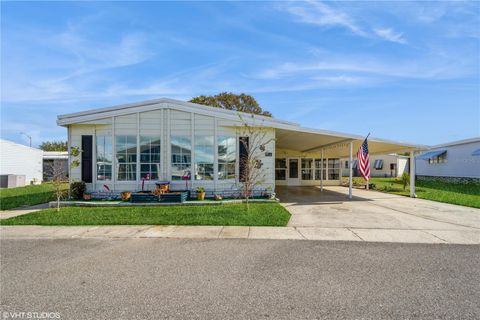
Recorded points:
126,195
200,193
87,196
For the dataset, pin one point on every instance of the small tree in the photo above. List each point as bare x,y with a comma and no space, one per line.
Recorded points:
254,140
405,180
58,173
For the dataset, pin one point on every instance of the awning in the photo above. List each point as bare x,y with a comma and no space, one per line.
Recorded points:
431,154
476,152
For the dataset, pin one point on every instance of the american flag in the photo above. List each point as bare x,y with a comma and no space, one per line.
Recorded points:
364,160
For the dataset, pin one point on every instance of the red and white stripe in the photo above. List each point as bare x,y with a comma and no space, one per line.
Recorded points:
364,160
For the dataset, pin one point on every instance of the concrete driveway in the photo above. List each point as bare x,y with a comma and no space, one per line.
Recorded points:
371,212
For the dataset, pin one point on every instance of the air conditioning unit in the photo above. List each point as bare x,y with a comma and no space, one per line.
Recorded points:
12,180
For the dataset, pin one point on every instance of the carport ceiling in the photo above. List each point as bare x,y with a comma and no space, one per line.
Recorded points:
335,144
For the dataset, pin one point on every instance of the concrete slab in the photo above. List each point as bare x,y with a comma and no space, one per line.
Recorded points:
371,209
27,231
457,237
71,232
208,232
403,236
22,210
339,234
274,233
114,231
233,232
156,232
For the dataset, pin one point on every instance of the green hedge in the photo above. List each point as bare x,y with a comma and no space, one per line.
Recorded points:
27,196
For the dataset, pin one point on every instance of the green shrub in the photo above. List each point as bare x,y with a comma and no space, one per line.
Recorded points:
77,189
405,180
27,196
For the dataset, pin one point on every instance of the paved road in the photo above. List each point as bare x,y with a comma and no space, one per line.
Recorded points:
239,279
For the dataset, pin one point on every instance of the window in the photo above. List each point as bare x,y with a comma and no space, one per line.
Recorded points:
126,157
149,157
244,148
227,157
393,166
442,158
280,169
333,169
346,164
293,168
378,164
181,157
307,168
204,157
104,158
318,168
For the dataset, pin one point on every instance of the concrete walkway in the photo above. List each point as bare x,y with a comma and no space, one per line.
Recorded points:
229,232
5,214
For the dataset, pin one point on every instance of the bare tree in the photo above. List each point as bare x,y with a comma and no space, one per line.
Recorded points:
58,173
253,139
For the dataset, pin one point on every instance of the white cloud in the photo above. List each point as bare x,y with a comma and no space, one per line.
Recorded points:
320,14
390,35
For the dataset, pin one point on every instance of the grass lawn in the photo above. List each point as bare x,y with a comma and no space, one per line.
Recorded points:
259,214
462,194
27,196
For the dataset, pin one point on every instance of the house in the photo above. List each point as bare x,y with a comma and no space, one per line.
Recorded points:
454,161
190,145
19,164
383,165
55,163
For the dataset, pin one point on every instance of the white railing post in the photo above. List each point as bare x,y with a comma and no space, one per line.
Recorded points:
412,175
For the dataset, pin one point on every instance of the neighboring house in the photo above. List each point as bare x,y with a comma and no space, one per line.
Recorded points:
173,140
55,163
22,161
388,165
451,161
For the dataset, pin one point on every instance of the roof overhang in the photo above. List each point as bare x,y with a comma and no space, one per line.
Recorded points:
289,135
335,144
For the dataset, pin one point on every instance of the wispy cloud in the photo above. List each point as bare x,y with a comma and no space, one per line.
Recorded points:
318,13
390,35
321,14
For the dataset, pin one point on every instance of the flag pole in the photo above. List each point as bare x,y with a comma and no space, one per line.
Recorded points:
368,135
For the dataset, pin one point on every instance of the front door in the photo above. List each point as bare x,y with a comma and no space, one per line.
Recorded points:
293,178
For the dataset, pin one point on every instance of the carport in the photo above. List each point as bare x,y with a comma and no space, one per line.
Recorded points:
329,144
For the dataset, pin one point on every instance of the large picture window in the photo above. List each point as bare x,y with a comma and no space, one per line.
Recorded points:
204,157
280,169
333,169
126,156
104,158
149,157
307,169
320,165
227,157
181,149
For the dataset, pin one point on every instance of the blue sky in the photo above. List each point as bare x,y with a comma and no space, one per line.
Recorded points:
406,71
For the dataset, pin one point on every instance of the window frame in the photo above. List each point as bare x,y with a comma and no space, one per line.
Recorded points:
185,165
106,162
150,163
226,166
130,166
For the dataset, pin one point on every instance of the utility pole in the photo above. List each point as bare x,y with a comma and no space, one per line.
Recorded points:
29,138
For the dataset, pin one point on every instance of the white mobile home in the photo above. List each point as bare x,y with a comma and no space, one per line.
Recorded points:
450,161
193,145
19,160
383,165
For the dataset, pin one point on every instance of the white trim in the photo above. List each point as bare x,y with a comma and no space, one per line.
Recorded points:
215,155
137,174
192,151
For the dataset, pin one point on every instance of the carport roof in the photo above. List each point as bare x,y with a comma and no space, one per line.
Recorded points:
335,144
